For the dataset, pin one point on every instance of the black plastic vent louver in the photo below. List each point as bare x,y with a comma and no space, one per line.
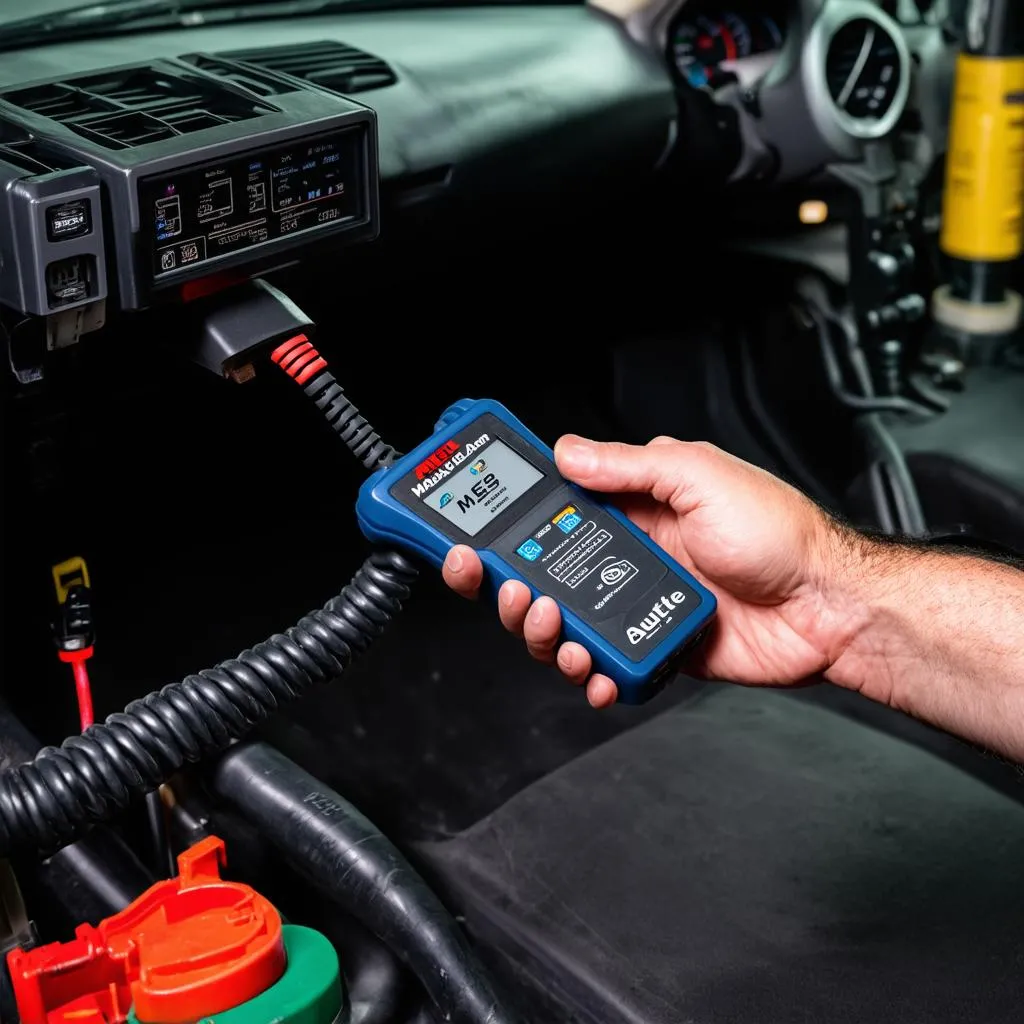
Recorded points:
134,106
19,148
237,74
327,65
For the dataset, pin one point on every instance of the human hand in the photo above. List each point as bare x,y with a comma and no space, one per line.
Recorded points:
758,544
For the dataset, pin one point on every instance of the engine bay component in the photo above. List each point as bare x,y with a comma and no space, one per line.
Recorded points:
188,948
983,201
347,857
200,174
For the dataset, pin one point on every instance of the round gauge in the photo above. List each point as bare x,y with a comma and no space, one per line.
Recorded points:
862,69
703,41
700,45
741,32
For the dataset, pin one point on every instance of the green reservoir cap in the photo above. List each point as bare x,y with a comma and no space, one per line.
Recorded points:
309,991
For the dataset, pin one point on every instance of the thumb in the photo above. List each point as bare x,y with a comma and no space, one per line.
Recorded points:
659,469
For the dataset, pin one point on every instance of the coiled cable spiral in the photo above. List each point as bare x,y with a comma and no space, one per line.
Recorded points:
45,803
91,777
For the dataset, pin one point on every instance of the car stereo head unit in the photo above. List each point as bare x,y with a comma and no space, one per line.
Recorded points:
204,174
197,216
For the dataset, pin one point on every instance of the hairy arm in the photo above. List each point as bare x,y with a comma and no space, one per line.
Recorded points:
936,634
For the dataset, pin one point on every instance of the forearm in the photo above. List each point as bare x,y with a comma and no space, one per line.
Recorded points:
936,634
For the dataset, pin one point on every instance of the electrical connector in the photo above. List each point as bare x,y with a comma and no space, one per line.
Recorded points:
230,325
74,630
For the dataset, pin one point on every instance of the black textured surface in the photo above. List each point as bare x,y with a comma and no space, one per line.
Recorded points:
753,857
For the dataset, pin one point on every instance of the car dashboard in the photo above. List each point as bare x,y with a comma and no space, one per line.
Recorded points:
465,103
465,83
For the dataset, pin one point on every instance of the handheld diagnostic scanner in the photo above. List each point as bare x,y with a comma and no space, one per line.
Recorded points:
485,480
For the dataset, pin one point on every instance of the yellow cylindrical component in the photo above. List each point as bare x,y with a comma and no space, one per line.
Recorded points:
983,204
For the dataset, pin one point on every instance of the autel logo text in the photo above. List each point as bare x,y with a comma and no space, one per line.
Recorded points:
656,618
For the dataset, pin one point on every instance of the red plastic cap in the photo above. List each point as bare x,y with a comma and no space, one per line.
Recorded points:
185,949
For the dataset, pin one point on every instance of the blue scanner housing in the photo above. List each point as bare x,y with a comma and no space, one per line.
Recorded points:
631,605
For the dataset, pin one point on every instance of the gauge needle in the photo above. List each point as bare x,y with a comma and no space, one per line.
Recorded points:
858,67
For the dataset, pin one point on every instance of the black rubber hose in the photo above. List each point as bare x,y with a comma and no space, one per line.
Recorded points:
92,878
89,880
92,777
834,376
883,449
345,855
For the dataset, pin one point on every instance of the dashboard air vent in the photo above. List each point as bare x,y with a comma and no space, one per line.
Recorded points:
327,65
134,106
238,74
19,148
862,69
25,159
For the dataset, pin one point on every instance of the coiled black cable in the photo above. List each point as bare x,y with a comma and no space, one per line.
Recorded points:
348,423
90,778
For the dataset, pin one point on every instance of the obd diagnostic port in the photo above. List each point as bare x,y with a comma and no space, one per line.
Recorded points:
69,280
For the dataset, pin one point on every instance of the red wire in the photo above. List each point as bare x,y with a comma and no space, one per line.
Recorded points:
83,689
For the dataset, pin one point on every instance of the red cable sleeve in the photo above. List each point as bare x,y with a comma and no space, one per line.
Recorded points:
305,359
299,359
285,347
290,358
311,370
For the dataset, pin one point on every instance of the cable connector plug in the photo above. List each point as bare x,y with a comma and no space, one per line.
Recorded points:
75,634
228,326
74,628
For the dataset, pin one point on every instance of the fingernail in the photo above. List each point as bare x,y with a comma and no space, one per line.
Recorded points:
506,596
565,659
454,561
537,614
577,455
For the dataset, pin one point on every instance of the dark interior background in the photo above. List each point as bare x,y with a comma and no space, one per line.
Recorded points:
213,514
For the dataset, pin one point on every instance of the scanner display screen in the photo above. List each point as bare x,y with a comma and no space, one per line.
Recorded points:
491,481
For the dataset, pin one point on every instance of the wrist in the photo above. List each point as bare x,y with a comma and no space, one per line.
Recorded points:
866,606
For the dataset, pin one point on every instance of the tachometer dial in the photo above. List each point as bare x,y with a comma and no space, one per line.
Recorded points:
703,41
740,31
701,44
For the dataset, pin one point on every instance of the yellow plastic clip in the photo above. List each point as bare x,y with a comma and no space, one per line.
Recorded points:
68,574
